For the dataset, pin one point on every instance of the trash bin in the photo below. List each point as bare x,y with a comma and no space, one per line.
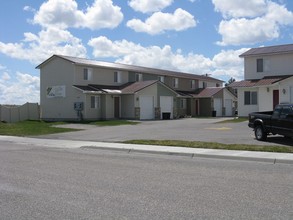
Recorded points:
166,115
214,113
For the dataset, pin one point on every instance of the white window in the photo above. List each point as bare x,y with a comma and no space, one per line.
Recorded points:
175,82
259,65
87,73
250,98
183,103
192,84
162,79
138,77
117,77
204,85
95,102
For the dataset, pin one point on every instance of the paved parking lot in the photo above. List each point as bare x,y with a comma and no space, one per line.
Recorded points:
190,129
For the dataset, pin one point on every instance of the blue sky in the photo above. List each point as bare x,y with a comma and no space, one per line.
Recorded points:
194,36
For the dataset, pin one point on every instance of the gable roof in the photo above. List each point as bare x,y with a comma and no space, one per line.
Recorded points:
278,49
208,92
126,67
266,81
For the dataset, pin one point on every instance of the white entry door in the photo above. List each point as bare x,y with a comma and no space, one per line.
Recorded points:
218,106
146,104
228,107
166,105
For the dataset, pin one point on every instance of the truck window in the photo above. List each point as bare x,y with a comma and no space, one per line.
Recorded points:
285,111
277,112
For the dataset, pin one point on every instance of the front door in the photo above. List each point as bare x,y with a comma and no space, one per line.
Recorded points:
275,98
117,107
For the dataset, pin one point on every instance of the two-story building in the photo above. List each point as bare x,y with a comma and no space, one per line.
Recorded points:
76,88
268,79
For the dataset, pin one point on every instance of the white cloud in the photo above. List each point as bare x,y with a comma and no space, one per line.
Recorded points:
240,8
19,90
37,48
224,65
160,22
146,6
5,76
65,14
246,30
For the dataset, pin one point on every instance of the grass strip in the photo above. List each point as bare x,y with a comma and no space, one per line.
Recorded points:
234,120
31,128
114,123
212,145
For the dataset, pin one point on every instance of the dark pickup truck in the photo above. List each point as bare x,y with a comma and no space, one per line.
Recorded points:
279,121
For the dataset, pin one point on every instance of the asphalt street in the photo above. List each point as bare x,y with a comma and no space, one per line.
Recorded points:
38,182
190,129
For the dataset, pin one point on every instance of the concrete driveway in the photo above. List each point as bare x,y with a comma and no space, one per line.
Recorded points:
189,129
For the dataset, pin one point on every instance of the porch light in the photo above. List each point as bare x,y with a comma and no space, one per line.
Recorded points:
284,91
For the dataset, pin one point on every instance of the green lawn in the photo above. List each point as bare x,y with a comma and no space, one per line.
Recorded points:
212,145
34,128
234,120
31,128
113,123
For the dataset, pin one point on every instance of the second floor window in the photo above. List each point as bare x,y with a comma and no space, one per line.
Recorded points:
175,82
87,74
162,79
117,77
192,84
259,65
138,77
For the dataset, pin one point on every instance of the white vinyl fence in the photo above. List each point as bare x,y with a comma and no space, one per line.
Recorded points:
16,113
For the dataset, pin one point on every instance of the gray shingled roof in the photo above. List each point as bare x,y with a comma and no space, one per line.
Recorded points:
279,49
125,67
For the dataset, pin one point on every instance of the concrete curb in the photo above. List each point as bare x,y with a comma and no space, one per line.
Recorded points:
267,157
196,155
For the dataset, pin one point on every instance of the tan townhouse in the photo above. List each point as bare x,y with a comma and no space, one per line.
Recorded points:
76,88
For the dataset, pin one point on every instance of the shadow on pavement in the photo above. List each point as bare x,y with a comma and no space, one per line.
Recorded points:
280,140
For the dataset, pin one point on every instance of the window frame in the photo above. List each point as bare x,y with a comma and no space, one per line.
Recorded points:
250,98
259,65
117,77
87,74
95,102
176,82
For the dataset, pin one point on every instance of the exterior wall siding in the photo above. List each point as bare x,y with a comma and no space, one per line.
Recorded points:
244,110
58,72
100,76
280,64
127,109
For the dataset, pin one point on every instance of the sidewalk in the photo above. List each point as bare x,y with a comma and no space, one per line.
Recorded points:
280,158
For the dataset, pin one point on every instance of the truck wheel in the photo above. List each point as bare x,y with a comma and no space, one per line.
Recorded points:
260,134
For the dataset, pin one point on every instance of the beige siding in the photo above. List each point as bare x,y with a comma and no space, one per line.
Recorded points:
58,72
92,113
280,64
100,76
127,108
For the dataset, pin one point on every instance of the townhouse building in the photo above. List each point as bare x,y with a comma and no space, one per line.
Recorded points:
268,79
74,88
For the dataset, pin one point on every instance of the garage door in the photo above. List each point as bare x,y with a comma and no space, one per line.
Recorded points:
166,105
218,106
146,104
228,107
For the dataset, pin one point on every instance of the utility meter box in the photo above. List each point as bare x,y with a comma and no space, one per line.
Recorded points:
78,106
